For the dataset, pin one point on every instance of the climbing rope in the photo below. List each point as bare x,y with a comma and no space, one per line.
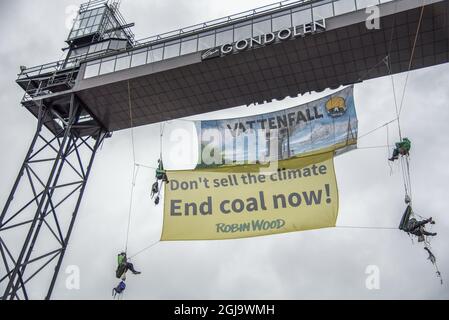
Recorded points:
388,63
408,177
371,228
390,165
372,147
405,179
376,129
412,54
405,163
131,119
135,167
152,245
161,138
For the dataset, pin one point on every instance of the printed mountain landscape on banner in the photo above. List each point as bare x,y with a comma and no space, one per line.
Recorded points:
327,124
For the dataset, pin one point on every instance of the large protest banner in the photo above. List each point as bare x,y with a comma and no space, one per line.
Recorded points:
327,124
244,201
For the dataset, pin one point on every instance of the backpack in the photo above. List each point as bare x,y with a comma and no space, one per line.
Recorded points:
120,288
121,266
121,269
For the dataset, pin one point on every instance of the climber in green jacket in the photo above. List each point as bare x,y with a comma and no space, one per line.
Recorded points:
123,266
160,172
161,177
402,148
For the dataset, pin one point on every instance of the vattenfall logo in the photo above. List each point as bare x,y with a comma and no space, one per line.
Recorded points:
265,40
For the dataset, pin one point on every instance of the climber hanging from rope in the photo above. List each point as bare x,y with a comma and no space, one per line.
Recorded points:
161,177
119,289
415,227
402,148
123,266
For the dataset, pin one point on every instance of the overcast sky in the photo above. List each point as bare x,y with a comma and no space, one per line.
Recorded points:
324,264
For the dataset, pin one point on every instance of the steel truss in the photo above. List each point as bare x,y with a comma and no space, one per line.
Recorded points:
55,185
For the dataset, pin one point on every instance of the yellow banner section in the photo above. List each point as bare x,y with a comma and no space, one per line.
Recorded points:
250,201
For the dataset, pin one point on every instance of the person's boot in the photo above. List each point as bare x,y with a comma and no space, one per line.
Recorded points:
395,155
136,272
393,158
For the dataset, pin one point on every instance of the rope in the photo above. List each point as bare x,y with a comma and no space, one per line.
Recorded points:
161,138
337,227
412,55
130,208
408,176
405,165
145,166
131,118
376,129
371,228
388,151
135,171
404,178
369,71
388,63
145,249
393,29
373,147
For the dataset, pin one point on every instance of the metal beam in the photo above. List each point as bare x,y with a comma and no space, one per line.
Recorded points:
13,284
69,148
75,213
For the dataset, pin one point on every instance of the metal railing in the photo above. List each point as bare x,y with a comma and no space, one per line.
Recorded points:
285,16
95,4
161,40
57,66
249,14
